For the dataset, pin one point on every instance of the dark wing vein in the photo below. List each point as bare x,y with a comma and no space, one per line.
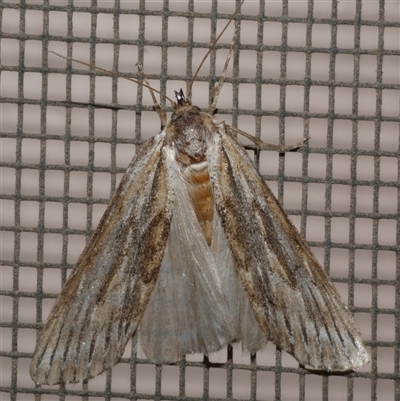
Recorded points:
294,301
103,300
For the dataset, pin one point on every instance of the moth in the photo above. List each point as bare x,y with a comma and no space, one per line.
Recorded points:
194,252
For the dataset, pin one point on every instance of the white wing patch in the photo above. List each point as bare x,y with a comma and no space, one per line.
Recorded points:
198,304
188,311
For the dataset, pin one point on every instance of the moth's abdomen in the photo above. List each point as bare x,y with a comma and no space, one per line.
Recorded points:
190,131
199,188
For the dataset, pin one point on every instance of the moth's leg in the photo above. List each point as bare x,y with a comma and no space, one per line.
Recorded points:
267,146
189,89
217,87
161,113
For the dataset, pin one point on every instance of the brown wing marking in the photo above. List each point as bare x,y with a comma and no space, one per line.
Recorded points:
294,301
103,300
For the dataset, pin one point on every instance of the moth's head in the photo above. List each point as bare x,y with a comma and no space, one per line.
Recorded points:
189,129
181,100
183,108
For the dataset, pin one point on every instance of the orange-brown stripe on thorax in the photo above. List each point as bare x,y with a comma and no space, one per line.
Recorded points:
190,131
199,188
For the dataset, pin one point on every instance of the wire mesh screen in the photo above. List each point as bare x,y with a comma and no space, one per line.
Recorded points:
324,69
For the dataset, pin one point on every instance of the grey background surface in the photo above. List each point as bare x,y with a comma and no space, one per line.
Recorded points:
324,69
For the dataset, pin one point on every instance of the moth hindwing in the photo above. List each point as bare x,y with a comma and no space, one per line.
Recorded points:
193,253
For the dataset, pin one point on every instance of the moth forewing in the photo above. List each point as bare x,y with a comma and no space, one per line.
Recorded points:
194,252
292,298
103,300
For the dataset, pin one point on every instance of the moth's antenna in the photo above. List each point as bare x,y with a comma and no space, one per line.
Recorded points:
146,85
189,91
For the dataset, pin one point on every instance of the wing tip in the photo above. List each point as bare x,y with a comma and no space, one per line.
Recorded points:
355,361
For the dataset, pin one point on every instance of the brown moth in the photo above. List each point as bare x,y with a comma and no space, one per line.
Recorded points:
193,253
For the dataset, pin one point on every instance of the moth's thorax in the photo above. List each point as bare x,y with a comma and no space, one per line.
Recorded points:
190,131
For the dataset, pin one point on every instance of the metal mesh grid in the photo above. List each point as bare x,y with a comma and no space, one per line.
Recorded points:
325,69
